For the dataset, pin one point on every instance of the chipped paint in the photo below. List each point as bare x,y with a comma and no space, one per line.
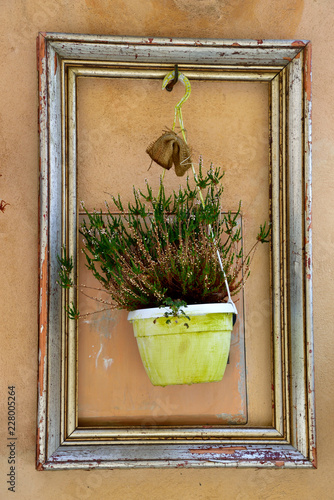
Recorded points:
315,457
98,354
298,43
308,71
107,362
227,450
43,253
39,466
43,318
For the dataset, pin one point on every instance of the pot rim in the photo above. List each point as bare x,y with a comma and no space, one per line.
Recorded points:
190,310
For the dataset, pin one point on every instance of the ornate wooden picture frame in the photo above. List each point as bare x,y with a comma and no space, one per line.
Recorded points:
286,66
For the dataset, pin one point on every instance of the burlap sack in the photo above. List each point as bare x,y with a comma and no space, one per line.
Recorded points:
169,149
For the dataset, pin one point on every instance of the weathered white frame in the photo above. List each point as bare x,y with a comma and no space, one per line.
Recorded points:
286,66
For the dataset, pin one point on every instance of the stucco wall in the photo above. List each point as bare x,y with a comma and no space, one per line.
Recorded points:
21,20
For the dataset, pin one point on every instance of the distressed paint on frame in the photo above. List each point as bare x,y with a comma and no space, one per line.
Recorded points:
260,451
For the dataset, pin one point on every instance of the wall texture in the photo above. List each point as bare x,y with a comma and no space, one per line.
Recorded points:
21,20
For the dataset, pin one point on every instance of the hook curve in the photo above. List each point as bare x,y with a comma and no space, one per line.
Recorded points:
170,85
171,76
178,113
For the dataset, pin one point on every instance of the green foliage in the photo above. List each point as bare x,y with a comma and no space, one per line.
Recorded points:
65,270
159,250
264,233
72,311
175,309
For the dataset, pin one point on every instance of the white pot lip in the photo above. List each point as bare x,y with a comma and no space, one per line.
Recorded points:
190,310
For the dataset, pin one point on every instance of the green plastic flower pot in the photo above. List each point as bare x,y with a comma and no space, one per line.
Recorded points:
176,350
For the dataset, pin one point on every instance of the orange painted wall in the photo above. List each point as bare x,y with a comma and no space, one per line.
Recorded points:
21,20
227,123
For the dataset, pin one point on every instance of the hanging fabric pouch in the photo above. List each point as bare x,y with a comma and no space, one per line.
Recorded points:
169,148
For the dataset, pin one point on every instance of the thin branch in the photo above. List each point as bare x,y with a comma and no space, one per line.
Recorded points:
95,312
96,298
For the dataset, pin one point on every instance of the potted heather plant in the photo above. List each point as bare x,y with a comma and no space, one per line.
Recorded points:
173,261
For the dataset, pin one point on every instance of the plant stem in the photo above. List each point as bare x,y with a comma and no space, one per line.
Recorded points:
179,114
